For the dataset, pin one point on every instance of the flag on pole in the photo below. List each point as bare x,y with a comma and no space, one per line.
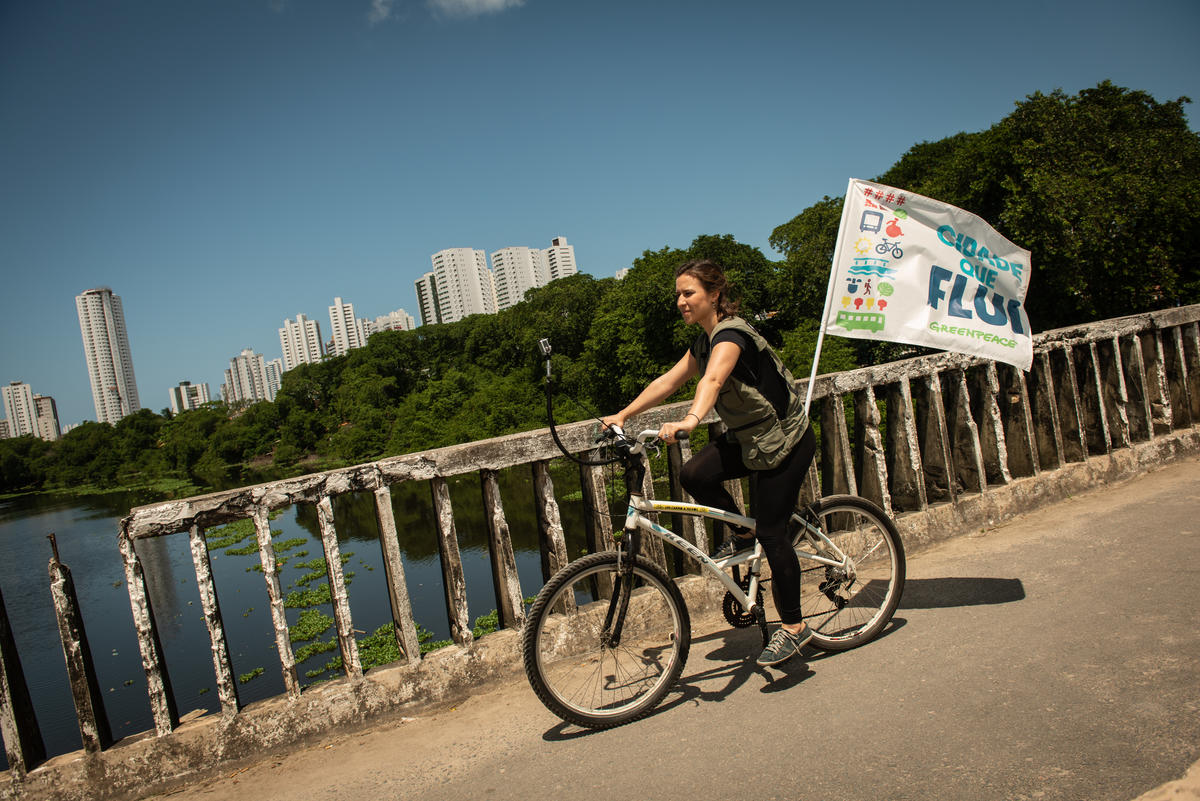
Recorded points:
911,269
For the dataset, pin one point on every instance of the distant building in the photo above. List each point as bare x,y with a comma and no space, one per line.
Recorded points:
19,409
47,417
346,330
561,258
518,270
399,320
426,287
106,349
188,396
274,377
621,273
3,429
463,283
300,342
246,379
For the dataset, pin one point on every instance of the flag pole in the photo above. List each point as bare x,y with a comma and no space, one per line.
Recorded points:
837,255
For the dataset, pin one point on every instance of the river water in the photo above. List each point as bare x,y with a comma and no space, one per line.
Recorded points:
86,531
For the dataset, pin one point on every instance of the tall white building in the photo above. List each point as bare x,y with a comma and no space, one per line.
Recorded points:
346,329
300,342
247,379
464,284
274,377
47,417
426,287
188,396
518,270
106,349
561,258
19,409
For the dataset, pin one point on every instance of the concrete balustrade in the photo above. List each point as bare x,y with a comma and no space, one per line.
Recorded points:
930,439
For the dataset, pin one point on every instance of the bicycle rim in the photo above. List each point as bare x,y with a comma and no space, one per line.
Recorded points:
848,609
580,676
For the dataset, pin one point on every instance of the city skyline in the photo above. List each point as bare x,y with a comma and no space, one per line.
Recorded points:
223,166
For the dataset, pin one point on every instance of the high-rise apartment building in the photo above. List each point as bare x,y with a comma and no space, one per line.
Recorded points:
106,349
426,287
346,329
518,270
399,320
4,429
47,417
188,396
247,380
274,377
300,342
561,258
464,284
19,409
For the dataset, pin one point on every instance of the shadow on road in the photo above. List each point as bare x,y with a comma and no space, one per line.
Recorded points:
942,593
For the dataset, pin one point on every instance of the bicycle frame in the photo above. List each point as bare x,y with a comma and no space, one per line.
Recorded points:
636,518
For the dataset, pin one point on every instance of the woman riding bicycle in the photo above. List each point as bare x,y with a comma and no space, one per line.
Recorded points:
768,436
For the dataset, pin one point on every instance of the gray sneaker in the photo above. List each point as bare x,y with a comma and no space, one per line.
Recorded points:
784,645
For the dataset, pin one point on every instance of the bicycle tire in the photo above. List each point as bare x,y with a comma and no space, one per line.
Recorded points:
846,611
586,681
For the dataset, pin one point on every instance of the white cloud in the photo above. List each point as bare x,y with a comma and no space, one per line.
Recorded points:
380,11
471,8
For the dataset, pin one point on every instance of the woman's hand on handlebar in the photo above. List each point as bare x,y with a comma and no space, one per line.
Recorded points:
670,432
613,420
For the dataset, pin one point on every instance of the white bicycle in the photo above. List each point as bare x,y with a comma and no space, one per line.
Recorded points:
609,634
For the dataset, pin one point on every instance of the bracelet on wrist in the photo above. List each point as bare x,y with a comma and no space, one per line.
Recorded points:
692,414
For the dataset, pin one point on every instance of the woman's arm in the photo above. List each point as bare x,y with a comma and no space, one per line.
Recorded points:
720,366
657,390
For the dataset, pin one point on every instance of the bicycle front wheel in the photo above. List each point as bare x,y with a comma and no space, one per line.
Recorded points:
571,659
848,606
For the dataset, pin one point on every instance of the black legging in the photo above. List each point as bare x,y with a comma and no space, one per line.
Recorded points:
774,493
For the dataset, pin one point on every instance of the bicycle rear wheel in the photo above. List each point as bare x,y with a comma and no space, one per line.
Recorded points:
849,607
571,662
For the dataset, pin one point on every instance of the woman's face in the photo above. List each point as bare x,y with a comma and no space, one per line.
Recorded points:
694,303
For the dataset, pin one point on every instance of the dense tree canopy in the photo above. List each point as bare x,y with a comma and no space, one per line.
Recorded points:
1099,186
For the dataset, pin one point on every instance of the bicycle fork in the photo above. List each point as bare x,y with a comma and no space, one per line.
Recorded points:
618,606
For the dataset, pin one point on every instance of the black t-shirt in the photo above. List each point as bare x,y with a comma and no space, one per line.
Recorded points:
754,368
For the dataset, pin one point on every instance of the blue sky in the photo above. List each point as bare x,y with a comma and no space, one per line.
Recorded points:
224,165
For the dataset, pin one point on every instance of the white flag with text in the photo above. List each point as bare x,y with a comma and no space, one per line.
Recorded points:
915,270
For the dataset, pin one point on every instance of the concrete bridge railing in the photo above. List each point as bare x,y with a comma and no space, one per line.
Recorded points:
930,439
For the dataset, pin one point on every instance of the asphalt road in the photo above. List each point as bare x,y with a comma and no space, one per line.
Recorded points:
1054,657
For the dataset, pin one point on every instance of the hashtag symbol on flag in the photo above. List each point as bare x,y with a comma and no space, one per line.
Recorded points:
900,200
890,197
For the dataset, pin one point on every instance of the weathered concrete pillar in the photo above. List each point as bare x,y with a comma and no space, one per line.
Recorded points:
1141,425
837,460
1070,417
283,640
393,568
1018,421
1091,400
1191,359
1161,418
340,600
965,452
600,523
936,458
1177,378
550,530
453,580
689,527
510,604
904,469
598,518
158,681
218,643
1115,395
1044,406
81,670
22,738
870,458
986,409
